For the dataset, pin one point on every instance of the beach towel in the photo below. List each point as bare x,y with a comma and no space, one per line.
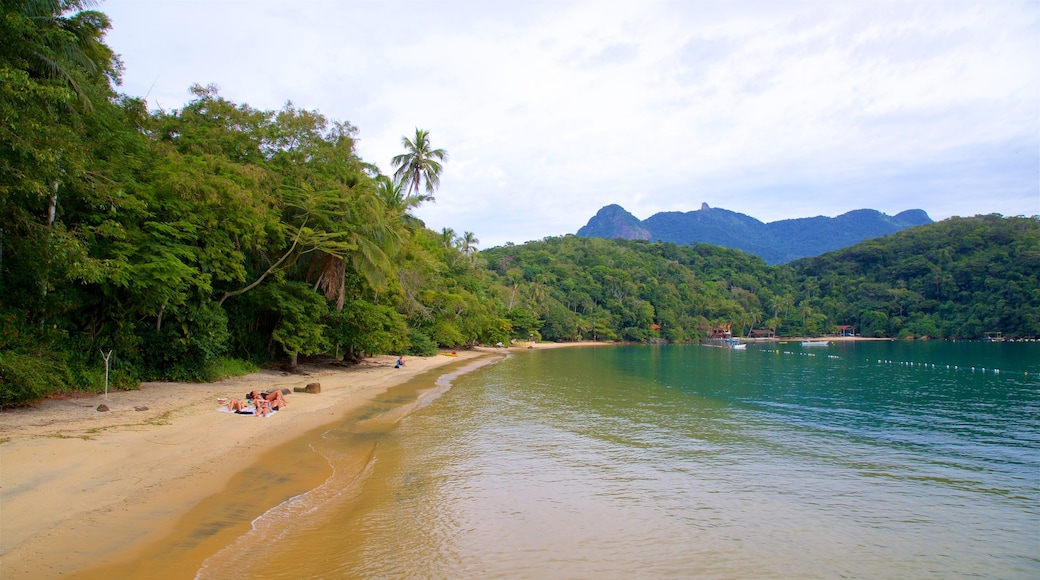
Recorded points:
247,411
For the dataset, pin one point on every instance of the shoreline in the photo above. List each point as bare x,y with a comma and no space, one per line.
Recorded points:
77,485
69,472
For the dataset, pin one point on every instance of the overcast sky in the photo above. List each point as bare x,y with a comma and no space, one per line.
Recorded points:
553,109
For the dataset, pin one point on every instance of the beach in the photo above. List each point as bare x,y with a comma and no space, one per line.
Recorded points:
154,493
78,485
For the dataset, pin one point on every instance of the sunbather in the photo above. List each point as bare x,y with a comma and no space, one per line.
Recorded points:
237,405
263,407
275,398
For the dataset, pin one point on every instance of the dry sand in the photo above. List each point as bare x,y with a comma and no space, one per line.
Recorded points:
78,485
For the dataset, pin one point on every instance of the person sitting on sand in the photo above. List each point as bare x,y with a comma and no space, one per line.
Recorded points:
399,363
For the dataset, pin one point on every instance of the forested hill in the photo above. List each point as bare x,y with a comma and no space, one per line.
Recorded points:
775,242
959,278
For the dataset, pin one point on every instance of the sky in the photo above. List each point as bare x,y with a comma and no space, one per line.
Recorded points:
551,109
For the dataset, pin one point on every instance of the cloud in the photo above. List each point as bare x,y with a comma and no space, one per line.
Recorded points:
551,109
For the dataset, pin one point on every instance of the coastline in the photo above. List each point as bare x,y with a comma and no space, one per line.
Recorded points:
79,486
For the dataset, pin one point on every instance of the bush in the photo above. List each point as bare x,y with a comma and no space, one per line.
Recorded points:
421,344
446,335
27,378
92,379
186,345
225,368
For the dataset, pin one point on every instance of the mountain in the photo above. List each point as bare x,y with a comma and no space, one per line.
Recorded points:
775,242
614,222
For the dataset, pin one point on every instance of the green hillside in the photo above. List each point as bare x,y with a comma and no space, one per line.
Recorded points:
961,277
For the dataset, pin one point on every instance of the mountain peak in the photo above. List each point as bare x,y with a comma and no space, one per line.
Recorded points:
613,221
776,242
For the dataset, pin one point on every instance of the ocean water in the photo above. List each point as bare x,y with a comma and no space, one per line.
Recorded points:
861,460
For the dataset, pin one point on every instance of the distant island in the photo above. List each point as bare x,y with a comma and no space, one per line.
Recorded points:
776,242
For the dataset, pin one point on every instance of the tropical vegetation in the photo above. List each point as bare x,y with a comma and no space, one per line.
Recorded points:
202,241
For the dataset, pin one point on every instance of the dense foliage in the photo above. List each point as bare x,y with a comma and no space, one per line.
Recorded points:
572,287
179,238
960,278
193,242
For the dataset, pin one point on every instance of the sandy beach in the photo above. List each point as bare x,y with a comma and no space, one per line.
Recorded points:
74,481
78,485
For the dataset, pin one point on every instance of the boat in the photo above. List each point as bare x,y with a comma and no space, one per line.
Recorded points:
739,347
815,342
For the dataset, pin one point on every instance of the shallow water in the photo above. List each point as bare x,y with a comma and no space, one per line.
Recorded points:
889,459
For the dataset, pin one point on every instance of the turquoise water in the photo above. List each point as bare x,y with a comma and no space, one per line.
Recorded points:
865,460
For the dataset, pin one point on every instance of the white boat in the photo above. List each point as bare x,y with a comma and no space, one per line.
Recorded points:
739,347
815,343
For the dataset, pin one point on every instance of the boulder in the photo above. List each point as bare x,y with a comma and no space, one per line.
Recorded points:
313,388
140,408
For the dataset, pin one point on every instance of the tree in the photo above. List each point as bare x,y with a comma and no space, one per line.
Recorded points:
469,243
448,238
397,203
59,40
419,165
300,328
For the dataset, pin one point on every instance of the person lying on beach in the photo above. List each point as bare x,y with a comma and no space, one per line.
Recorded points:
275,398
263,407
237,406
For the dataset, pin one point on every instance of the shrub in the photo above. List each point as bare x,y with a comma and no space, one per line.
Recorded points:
225,368
421,344
28,378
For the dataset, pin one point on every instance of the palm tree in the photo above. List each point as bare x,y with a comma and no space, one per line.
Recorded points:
469,243
398,204
61,39
420,164
448,238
